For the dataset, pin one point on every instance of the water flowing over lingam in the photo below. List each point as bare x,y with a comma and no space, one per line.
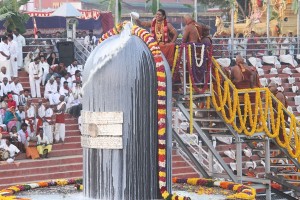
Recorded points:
121,121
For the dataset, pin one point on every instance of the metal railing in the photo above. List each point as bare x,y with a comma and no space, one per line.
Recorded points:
255,46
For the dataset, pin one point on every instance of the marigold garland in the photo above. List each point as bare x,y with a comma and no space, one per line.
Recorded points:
254,117
9,193
242,191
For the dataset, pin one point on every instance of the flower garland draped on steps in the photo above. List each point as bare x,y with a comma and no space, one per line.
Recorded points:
228,102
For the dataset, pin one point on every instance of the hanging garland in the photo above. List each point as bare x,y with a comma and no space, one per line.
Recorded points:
197,71
254,117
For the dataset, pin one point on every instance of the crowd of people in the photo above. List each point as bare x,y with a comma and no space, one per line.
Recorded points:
26,127
254,45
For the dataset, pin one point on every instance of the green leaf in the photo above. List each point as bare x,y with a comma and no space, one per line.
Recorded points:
120,8
154,6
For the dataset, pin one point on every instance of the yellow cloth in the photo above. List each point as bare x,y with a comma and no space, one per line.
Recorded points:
42,148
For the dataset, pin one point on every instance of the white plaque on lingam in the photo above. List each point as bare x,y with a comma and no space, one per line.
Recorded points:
102,130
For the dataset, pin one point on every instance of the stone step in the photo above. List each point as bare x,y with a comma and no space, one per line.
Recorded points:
41,170
27,163
180,170
34,177
58,153
187,175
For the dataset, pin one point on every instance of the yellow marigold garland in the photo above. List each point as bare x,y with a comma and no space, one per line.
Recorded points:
254,117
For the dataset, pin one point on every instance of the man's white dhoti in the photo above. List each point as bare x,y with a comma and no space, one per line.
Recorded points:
48,130
60,131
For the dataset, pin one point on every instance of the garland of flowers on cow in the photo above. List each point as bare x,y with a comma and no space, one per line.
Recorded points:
243,192
228,103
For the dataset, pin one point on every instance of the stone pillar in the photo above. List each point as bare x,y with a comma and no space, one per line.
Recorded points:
119,121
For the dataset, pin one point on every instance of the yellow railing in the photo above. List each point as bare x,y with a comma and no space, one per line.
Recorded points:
259,116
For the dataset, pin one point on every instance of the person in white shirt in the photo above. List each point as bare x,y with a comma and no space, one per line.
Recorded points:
297,99
295,88
30,116
13,151
67,78
230,153
273,70
77,93
76,78
4,74
21,113
16,88
286,70
35,73
67,92
217,168
43,144
21,42
263,81
41,111
291,79
45,67
5,55
51,92
247,152
251,163
48,122
90,41
13,50
280,88
5,87
73,67
276,80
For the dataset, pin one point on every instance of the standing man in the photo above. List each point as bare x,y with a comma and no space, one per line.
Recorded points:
5,55
90,41
193,31
45,67
47,125
60,127
21,42
30,115
35,74
13,50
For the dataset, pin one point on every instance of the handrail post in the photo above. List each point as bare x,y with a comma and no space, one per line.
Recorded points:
267,166
184,70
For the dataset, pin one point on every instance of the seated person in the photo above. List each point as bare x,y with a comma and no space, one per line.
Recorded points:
27,141
16,88
10,101
16,139
77,93
51,91
3,106
24,96
73,67
291,79
264,81
286,70
13,151
3,75
5,87
43,144
295,88
76,78
11,118
67,92
67,78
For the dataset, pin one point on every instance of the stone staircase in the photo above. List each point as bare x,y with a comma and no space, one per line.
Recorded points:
65,160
